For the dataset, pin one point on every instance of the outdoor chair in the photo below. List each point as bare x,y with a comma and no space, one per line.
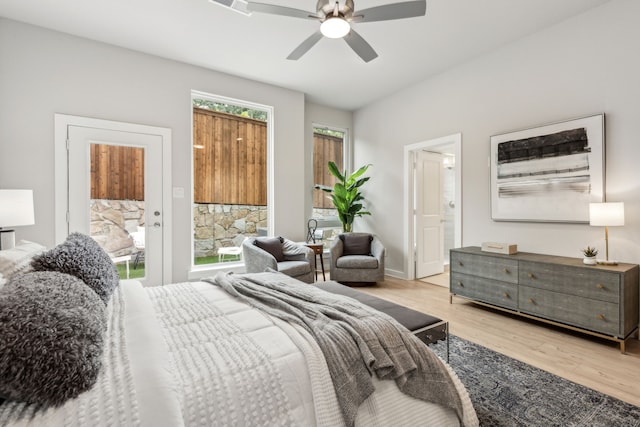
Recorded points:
138,243
230,253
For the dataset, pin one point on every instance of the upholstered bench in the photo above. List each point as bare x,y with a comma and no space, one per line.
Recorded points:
428,329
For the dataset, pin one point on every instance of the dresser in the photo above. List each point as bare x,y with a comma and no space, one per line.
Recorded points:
600,300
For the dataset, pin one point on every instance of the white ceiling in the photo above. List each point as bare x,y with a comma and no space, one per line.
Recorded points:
209,35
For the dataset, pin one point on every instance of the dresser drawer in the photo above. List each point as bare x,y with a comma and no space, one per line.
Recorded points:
584,282
499,268
594,315
487,290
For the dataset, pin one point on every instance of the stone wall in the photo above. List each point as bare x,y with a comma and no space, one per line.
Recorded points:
225,225
112,221
215,225
324,212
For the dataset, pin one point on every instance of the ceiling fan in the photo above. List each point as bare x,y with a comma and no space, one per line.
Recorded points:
336,21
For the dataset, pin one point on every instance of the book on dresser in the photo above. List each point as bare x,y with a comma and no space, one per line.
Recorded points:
600,300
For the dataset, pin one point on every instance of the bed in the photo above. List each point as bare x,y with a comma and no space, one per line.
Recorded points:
191,354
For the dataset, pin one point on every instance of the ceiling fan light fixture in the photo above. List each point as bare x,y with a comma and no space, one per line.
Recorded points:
335,28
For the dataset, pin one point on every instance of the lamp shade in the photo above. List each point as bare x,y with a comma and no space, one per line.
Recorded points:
335,28
606,214
16,208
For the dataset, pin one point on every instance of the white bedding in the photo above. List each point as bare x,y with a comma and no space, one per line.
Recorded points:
190,354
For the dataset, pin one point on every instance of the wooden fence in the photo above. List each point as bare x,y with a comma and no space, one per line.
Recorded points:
325,148
229,163
229,159
117,173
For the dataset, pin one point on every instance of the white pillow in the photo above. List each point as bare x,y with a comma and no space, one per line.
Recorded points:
18,258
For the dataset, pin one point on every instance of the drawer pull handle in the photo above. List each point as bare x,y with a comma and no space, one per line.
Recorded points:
460,263
505,294
460,284
531,276
505,270
531,300
600,286
601,316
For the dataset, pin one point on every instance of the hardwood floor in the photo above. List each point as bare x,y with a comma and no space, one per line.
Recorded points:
587,360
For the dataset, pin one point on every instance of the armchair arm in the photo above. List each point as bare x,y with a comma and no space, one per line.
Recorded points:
337,247
257,260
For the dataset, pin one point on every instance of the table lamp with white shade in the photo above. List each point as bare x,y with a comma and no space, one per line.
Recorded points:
16,209
606,215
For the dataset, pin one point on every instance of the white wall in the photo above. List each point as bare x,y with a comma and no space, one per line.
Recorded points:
44,72
586,65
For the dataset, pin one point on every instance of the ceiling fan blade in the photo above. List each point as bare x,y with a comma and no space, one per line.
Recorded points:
321,5
348,9
360,46
280,10
388,12
305,46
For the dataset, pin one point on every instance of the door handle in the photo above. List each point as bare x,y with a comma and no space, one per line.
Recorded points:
156,224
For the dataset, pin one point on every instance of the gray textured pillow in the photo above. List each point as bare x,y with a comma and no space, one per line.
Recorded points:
81,256
51,337
273,245
356,243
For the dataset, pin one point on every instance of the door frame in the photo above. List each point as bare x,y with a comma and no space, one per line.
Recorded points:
61,184
409,190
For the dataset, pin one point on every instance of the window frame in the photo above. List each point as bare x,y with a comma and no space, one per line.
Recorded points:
346,149
203,270
346,161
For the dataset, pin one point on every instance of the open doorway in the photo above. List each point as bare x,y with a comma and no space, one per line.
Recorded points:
435,226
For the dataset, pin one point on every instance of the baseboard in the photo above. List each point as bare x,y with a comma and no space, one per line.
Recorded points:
395,274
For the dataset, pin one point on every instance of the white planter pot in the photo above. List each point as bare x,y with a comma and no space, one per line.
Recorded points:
589,260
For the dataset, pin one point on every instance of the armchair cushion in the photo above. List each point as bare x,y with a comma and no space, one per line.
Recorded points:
356,243
294,268
357,261
273,245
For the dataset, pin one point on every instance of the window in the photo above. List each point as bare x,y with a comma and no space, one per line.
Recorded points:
329,145
230,180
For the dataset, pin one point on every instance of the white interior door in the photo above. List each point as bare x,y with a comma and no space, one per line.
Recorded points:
429,219
118,220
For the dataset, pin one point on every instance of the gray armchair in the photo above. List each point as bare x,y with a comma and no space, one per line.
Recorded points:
279,254
357,257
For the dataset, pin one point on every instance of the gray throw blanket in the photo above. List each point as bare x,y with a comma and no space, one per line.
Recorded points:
355,339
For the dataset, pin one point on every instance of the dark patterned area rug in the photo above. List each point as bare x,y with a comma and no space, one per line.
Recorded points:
507,392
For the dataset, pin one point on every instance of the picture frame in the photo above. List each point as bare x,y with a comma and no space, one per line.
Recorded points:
548,173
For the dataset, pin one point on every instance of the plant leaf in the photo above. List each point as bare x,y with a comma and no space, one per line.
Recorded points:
333,168
357,174
323,188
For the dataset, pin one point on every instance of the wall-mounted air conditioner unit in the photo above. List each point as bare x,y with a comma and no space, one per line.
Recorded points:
237,5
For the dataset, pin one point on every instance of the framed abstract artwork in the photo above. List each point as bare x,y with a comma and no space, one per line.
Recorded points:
548,173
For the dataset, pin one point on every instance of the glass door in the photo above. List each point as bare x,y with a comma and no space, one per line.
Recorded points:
115,196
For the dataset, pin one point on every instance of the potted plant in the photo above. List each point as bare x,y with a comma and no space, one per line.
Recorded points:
589,255
346,196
